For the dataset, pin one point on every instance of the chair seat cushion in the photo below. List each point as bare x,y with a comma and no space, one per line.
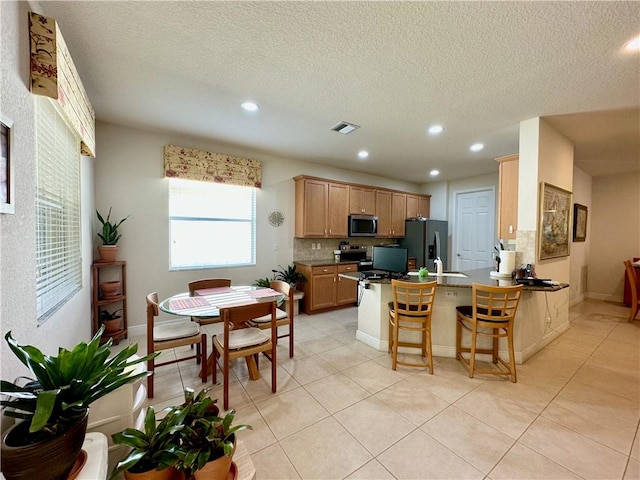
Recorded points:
280,314
467,311
412,308
245,337
174,329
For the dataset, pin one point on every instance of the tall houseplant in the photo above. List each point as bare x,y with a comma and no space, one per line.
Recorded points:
289,275
109,249
54,404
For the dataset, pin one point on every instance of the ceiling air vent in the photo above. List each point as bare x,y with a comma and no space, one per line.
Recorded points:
344,128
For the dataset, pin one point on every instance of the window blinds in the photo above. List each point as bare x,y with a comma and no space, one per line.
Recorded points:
58,248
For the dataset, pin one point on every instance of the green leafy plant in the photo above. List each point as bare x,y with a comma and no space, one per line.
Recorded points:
153,447
109,235
65,385
105,315
289,275
205,436
262,282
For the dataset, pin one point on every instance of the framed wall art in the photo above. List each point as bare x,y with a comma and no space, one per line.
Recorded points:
555,218
579,222
7,192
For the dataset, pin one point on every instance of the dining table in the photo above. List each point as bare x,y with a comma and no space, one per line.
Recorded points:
207,303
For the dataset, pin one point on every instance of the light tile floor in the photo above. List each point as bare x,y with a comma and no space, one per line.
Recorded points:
341,412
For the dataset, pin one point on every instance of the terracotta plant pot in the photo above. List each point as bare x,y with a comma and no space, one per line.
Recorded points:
166,474
108,253
217,469
50,459
110,289
112,326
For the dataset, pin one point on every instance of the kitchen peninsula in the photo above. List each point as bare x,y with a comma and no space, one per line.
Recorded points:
539,318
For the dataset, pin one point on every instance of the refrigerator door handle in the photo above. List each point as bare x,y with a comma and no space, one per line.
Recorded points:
437,242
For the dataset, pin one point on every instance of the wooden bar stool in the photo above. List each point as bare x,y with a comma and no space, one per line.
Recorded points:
635,301
491,315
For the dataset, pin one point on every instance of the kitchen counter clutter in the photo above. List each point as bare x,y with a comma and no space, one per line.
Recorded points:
543,313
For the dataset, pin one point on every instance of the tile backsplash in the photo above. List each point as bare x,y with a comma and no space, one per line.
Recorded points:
322,248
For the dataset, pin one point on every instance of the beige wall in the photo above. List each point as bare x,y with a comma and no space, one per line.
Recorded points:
70,324
615,233
129,177
580,251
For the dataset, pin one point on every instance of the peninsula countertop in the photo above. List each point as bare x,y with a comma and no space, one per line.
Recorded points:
481,275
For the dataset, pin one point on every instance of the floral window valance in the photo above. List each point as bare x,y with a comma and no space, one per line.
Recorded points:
190,164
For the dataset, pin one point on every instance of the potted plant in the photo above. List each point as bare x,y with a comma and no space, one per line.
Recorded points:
112,321
109,249
289,275
207,441
53,406
152,449
262,282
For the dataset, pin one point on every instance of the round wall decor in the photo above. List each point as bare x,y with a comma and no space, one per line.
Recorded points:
276,218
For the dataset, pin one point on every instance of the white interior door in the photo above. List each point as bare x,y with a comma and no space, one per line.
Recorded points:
474,229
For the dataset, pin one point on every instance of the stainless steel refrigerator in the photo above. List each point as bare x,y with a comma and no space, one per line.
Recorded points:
426,239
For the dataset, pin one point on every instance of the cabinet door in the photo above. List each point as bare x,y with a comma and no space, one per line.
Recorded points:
337,212
355,200
508,197
323,291
347,290
368,201
424,207
314,208
412,206
383,211
398,213
418,206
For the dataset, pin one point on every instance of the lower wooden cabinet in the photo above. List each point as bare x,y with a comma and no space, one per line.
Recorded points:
324,289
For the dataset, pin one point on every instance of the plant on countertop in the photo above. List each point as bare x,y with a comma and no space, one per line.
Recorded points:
109,235
65,385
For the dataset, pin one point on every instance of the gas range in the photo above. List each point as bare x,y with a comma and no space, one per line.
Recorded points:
356,253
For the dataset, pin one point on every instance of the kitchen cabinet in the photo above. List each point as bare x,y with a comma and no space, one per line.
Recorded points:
362,200
508,197
321,208
111,270
391,209
324,289
418,206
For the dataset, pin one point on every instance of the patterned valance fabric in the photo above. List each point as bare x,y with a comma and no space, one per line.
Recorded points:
190,164
54,75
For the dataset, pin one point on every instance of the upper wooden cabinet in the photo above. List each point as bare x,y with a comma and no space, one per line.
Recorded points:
321,208
362,200
391,209
508,196
418,206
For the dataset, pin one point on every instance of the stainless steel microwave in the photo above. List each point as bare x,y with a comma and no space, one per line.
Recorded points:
363,225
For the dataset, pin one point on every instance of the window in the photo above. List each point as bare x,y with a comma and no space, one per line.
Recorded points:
58,248
211,225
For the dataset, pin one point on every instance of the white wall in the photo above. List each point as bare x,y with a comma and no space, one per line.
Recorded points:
129,177
72,323
615,233
580,251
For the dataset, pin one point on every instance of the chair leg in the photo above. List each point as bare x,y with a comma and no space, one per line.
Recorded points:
151,368
225,371
390,342
203,358
472,359
430,354
495,349
197,352
633,312
458,338
291,339
274,368
394,347
512,358
214,367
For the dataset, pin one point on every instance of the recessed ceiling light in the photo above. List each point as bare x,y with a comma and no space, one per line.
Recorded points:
250,106
633,44
476,147
435,129
363,154
434,173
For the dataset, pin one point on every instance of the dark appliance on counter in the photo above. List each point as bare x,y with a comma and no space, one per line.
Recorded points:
355,253
426,240
363,225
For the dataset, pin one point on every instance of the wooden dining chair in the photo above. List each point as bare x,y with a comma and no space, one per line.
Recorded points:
491,315
171,334
411,311
631,277
240,340
202,284
282,318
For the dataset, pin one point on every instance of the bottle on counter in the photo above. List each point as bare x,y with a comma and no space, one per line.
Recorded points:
438,263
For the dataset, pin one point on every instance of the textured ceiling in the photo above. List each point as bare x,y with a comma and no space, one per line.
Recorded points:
394,68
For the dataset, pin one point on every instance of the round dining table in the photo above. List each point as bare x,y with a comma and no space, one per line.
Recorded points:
207,303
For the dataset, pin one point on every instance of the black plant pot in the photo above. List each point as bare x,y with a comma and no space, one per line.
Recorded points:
50,459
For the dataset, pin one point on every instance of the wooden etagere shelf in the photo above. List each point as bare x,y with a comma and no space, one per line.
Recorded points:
117,271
